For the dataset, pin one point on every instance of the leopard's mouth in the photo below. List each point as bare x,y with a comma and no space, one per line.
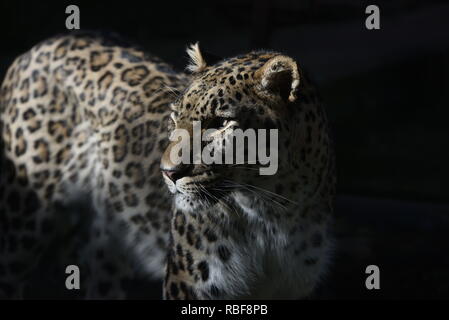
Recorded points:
199,190
199,194
187,184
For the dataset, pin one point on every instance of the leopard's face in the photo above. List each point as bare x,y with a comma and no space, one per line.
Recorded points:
214,107
236,95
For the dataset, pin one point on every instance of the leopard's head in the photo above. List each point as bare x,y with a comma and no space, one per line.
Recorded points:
249,92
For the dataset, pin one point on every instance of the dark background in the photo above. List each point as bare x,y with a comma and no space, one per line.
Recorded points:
385,92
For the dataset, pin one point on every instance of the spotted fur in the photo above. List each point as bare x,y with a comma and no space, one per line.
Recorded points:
235,233
84,120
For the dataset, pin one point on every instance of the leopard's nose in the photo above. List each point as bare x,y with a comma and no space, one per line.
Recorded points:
172,169
177,172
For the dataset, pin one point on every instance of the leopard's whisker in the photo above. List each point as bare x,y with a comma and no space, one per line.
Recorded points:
271,193
262,195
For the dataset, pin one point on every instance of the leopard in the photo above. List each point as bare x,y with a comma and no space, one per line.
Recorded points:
88,120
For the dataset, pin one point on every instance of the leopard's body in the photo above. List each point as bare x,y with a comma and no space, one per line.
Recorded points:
84,119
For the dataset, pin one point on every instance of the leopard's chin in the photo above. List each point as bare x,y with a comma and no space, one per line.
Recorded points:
196,201
189,203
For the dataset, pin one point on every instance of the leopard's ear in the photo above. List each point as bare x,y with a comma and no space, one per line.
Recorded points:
197,62
279,76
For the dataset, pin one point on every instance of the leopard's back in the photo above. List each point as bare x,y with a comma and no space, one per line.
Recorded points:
82,120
